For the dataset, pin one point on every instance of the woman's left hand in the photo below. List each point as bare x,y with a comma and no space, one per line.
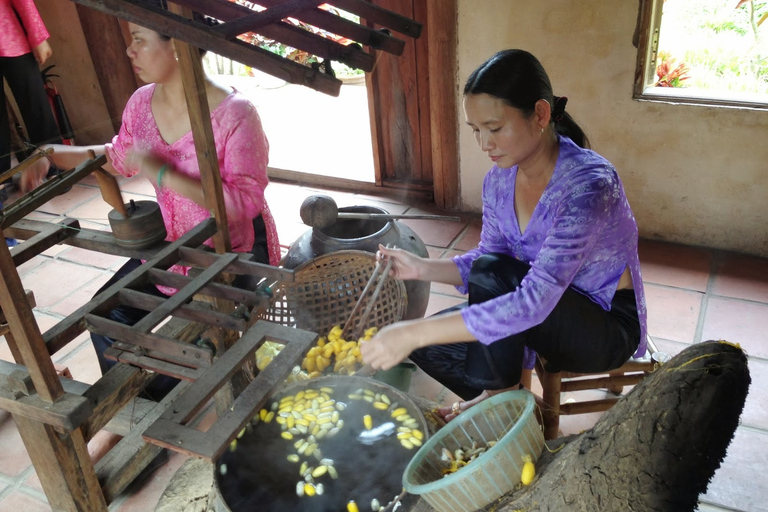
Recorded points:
147,163
391,345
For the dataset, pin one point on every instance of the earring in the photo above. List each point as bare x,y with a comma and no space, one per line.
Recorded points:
542,131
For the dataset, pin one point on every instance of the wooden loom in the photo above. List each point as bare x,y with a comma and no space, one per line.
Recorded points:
56,417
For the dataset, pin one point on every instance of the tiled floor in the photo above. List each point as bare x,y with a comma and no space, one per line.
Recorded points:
693,294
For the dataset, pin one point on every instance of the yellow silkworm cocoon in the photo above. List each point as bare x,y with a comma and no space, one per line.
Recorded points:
418,434
309,489
399,412
368,422
327,390
380,406
286,435
529,471
352,507
233,445
293,458
403,417
263,414
270,415
319,471
290,421
406,443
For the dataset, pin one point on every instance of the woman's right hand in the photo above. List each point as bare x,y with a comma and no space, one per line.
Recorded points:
405,265
34,175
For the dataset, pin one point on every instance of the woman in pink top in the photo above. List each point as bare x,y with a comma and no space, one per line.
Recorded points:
155,141
24,46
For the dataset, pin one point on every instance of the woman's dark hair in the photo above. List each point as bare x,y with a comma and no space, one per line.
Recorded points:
518,78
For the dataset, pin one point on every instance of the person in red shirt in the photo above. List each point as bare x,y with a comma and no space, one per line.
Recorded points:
23,48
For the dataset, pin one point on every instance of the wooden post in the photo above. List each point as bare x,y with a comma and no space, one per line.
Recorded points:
193,77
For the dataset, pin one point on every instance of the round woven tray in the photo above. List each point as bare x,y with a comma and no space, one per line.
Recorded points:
325,291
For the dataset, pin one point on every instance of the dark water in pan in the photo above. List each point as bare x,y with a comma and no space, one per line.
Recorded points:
260,478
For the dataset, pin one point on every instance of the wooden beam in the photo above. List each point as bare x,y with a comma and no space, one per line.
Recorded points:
128,354
256,20
202,36
26,338
174,302
373,13
351,55
221,291
243,265
193,78
149,302
67,413
161,347
63,465
44,241
54,187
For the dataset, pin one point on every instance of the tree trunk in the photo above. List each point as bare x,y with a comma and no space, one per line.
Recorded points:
656,449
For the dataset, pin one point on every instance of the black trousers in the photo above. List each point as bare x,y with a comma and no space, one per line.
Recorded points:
128,315
23,76
578,336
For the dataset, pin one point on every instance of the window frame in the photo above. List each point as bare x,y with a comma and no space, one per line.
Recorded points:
648,29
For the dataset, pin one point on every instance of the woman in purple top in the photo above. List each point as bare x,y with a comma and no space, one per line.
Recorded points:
556,272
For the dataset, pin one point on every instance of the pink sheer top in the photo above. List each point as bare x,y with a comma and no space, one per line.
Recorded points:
16,39
242,151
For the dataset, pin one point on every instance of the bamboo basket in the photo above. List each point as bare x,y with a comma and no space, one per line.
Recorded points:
325,291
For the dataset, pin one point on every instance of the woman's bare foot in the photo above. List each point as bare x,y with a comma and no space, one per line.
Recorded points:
448,413
101,443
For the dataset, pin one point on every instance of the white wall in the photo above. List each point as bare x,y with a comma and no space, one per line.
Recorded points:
694,175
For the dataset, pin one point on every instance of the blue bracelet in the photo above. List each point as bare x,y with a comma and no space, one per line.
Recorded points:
160,175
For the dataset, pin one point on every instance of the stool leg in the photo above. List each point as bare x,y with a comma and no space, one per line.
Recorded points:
550,382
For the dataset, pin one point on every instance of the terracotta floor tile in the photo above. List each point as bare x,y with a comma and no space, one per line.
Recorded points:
739,483
738,321
471,237
83,364
65,203
93,258
438,303
142,496
14,459
29,265
755,412
675,265
138,185
672,313
744,277
52,282
17,501
79,296
437,233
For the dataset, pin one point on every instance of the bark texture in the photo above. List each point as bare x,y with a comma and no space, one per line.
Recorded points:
656,449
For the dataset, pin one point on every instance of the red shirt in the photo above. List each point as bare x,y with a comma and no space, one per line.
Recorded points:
19,38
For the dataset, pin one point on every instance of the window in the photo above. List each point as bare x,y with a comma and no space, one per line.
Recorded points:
711,52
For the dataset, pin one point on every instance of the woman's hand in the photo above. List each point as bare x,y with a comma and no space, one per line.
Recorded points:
34,175
391,345
42,52
405,265
146,163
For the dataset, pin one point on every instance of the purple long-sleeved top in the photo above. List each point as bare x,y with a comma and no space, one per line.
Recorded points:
582,233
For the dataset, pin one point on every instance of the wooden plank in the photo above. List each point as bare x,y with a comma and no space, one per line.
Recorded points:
106,48
149,302
161,347
168,431
73,325
202,36
425,168
255,20
55,186
351,55
44,241
375,14
174,302
217,290
28,344
600,383
125,353
30,301
590,406
443,129
63,466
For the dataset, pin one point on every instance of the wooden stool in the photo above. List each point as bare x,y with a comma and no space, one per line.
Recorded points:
555,383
